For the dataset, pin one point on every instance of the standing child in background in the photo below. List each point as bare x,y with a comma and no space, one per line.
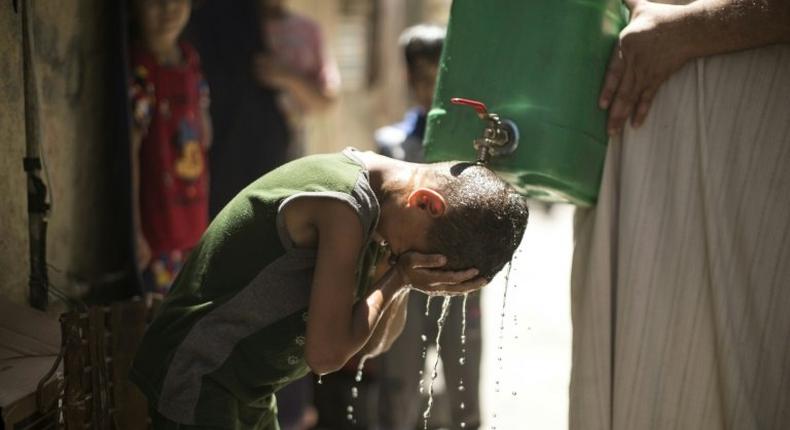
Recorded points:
400,404
170,136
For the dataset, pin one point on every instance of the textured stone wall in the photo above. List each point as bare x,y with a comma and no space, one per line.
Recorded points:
13,201
74,80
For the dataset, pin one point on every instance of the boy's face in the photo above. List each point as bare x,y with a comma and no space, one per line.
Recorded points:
422,78
407,232
163,18
407,218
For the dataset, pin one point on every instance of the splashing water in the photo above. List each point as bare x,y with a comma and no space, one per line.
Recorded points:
463,321
355,391
439,326
500,347
428,305
361,366
424,339
462,359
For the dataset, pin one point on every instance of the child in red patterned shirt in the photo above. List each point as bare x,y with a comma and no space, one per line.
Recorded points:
170,137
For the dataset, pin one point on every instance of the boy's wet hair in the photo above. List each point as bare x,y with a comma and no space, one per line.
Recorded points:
422,42
484,222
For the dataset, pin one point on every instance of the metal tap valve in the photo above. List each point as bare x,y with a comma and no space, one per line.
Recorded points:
500,137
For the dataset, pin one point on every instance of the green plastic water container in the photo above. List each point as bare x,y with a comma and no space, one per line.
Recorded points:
539,64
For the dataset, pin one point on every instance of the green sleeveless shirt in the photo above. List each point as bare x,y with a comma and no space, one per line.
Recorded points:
232,330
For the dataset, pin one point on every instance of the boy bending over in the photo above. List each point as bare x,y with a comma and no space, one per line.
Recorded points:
309,265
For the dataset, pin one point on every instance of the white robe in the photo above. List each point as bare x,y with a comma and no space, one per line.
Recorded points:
681,277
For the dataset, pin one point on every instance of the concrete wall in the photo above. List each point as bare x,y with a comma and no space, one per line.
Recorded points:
13,201
86,239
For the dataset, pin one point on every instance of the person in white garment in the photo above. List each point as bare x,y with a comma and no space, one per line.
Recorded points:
681,274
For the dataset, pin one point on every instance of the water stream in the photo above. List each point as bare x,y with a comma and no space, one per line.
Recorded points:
462,358
439,326
501,341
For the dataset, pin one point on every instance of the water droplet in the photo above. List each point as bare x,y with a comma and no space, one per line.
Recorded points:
354,392
360,368
463,425
463,406
462,361
461,388
515,394
424,338
350,409
320,381
350,417
422,389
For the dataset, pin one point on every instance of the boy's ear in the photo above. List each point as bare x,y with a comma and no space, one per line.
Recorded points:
429,200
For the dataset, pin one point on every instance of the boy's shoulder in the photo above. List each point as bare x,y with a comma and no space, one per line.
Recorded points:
339,170
324,186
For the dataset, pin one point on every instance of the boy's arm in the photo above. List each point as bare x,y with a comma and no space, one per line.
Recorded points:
390,327
337,328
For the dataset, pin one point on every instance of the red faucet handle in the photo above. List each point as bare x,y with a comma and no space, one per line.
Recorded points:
480,107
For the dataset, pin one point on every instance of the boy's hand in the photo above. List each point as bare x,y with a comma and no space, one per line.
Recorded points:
422,272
